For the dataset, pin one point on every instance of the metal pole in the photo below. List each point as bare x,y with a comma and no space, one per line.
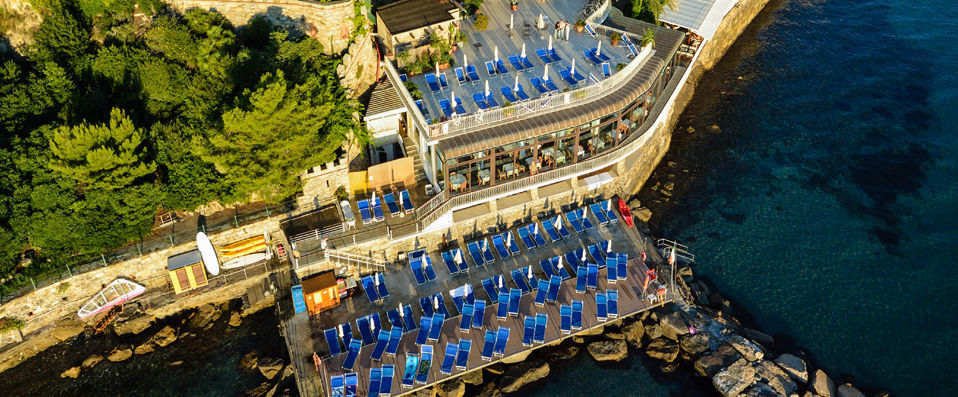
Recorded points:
33,283
235,219
69,271
139,247
103,257
267,210
171,240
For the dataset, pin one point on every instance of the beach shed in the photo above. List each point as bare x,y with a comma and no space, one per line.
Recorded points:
186,271
321,292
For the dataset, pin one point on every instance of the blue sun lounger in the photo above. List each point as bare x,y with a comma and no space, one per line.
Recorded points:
601,307
597,255
460,75
364,211
515,295
377,209
433,84
606,70
408,321
490,288
370,287
491,100
486,251
520,280
480,101
352,354
573,260
549,84
599,213
566,75
442,303
573,217
561,228
390,199
446,108
530,278
386,386
529,327
425,324
395,320
502,308
352,385
546,266
554,284
586,223
501,68
395,336
375,377
516,63
589,29
447,258
337,385
479,315
427,267
537,84
593,282
508,94
332,340
465,322
442,81
364,331
347,332
375,323
612,269
543,55
590,55
449,359
502,339
417,270
565,319
407,206
488,345
425,303
490,68
521,92
541,293
421,107
499,243
560,270
526,238
476,253
609,211
581,277
458,106
525,62
623,263
471,72
409,375
381,344
383,292
613,302
438,320
554,55
550,228
541,323
511,243
576,314
462,357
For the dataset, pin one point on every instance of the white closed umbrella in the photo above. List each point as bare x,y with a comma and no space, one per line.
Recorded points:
508,239
402,313
376,279
598,50
487,88
608,246
495,52
372,324
540,23
535,228
435,302
560,261
452,98
545,73
372,201
485,244
573,66
511,19
523,52
530,271
585,212
465,60
550,43
583,256
515,86
458,257
500,281
608,205
558,222
341,334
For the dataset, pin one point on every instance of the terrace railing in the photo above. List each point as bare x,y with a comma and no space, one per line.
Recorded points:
459,124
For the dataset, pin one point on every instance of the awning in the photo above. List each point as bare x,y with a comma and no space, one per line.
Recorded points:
699,16
593,182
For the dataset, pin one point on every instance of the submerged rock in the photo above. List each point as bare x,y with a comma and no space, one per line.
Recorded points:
452,388
120,353
92,361
560,354
761,390
609,350
847,390
711,364
733,380
270,366
633,334
523,374
249,360
71,373
822,385
643,214
663,349
491,389
472,377
793,366
759,337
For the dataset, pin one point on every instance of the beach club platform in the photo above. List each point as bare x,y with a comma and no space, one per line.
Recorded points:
350,359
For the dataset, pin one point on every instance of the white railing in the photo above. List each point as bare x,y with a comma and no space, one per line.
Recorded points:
461,124
599,12
407,99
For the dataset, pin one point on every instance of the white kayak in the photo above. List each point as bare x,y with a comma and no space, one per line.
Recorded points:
208,254
244,260
115,293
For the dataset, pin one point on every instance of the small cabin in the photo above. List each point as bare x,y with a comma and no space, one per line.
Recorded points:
321,292
186,271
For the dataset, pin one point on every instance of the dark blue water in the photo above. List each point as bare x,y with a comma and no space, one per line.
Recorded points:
827,206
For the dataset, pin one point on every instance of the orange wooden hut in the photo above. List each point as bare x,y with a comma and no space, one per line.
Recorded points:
186,271
321,292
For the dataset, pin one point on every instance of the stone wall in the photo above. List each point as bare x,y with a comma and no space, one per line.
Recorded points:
360,67
330,23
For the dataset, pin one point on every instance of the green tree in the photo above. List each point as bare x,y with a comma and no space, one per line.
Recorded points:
651,10
107,156
279,131
61,38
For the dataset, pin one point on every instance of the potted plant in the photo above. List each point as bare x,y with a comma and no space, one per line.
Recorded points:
482,21
615,37
648,38
515,5
579,26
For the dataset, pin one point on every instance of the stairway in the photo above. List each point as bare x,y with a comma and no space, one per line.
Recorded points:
413,151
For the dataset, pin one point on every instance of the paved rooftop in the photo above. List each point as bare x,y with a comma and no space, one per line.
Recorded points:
404,290
482,44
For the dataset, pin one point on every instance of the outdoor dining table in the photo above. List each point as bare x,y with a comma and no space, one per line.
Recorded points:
457,181
484,176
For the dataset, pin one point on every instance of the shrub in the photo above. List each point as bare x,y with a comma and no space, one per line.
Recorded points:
482,22
619,66
615,36
341,193
413,90
8,323
63,287
648,37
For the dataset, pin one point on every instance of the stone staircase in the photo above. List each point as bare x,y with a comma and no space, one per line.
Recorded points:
413,151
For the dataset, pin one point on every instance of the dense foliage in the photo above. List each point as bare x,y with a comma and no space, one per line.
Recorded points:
650,10
111,117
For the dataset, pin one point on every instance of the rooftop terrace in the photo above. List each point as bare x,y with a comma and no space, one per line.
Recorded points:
404,290
540,74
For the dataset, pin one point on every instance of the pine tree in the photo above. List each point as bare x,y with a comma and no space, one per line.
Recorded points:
106,157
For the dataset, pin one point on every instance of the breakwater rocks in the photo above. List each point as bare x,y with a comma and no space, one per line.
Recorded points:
705,339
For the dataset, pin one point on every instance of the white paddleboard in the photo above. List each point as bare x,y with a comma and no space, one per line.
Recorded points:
207,253
244,260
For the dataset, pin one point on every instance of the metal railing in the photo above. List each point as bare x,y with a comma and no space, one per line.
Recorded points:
346,258
681,250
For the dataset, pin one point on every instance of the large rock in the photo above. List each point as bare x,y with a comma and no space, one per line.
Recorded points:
249,360
847,390
822,385
452,388
133,325
120,353
643,214
71,373
517,358
561,353
711,364
793,366
205,315
523,374
491,389
673,325
775,377
609,350
733,380
472,377
694,344
144,349
235,319
759,336
164,336
92,361
270,366
653,331
746,348
633,334
663,349
761,390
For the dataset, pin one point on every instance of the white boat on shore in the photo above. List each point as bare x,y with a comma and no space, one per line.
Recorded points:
244,260
115,293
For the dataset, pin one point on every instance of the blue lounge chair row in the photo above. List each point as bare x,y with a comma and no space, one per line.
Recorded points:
548,56
375,287
570,317
435,83
433,304
421,265
394,206
344,385
548,291
381,381
494,343
371,210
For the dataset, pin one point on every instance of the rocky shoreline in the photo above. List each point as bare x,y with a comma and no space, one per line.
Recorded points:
696,332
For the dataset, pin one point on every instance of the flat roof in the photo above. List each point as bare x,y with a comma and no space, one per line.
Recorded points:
699,16
384,99
403,16
182,260
667,42
319,282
